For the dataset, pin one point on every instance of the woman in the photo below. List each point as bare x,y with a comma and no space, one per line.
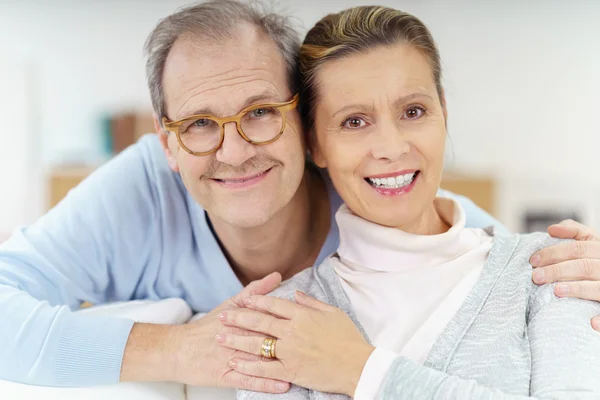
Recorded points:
419,306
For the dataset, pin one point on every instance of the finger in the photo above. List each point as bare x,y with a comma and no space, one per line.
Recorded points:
264,369
565,251
576,270
256,384
247,344
234,330
596,323
569,229
254,321
264,286
274,306
305,300
247,356
582,290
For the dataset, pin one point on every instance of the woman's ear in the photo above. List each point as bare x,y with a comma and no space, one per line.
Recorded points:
315,152
163,137
444,108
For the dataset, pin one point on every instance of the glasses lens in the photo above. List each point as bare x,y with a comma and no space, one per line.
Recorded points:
262,124
200,135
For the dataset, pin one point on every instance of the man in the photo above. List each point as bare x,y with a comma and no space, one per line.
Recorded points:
230,204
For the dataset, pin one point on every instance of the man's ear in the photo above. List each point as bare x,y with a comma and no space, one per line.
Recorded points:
163,136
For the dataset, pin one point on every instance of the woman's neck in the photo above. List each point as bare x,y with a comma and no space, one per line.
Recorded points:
430,222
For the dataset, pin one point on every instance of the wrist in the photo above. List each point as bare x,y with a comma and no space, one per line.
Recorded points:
356,367
151,353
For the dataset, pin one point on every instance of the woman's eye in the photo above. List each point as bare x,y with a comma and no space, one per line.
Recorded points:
413,112
354,122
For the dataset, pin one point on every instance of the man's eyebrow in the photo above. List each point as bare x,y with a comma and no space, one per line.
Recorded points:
265,97
401,101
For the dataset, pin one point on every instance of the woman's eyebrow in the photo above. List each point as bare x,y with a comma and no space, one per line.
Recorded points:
406,99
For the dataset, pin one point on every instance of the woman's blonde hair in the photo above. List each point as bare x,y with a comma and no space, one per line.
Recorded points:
358,30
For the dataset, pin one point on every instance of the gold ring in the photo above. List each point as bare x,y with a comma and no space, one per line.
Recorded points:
268,348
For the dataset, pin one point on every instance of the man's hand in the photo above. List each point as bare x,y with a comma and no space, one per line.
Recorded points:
189,353
577,263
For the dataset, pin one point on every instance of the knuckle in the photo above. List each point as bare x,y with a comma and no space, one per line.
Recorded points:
270,305
553,272
578,249
247,381
289,331
271,325
266,386
256,322
586,268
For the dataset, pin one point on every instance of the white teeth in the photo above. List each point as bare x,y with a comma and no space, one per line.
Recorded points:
392,182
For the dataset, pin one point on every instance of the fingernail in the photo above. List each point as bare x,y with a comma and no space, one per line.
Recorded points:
301,294
538,276
232,364
596,324
248,301
535,260
220,338
281,386
223,317
562,289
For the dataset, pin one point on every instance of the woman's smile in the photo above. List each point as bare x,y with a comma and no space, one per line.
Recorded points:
397,183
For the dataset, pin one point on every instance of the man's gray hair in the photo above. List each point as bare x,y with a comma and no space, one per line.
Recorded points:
216,20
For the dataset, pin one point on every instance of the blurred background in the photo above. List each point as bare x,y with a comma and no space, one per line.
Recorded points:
522,81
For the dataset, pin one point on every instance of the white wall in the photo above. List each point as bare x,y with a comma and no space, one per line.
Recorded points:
522,84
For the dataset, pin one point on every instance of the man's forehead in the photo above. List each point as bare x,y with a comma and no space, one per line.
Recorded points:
205,78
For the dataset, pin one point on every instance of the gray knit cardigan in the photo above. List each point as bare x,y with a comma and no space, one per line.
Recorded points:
509,340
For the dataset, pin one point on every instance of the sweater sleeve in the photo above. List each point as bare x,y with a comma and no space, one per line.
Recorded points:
564,355
80,251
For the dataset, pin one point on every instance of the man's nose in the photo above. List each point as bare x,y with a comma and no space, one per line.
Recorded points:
235,150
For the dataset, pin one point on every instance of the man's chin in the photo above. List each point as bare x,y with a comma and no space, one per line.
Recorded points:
251,217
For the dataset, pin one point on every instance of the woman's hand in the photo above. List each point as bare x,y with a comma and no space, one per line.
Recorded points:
577,263
318,346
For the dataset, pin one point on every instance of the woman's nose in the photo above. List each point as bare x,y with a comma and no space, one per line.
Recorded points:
389,143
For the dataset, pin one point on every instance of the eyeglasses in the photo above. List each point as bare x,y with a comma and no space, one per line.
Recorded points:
260,124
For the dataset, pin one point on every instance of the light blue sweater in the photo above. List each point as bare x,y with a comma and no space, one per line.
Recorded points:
129,231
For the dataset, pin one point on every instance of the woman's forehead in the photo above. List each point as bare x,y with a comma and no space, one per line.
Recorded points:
394,72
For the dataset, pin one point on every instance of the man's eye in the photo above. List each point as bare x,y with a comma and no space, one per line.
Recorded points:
413,112
354,122
261,112
202,122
